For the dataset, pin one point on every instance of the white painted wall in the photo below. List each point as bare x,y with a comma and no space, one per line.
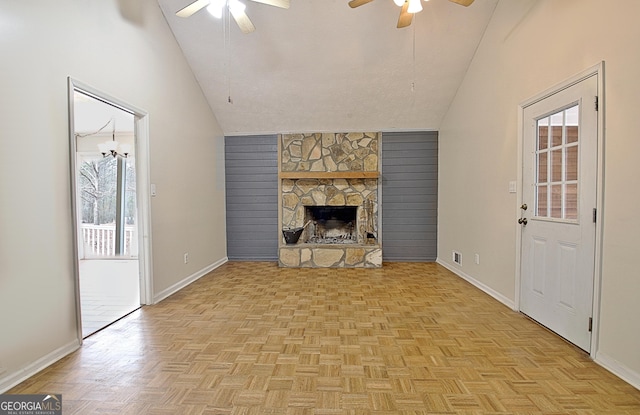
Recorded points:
125,49
529,47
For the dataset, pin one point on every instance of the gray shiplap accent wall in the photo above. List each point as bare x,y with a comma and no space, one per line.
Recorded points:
251,167
409,196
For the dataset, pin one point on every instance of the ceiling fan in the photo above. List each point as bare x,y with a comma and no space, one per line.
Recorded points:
236,8
409,8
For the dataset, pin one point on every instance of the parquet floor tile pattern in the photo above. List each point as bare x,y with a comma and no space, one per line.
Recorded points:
409,338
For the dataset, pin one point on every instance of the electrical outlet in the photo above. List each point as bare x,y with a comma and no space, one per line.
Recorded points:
186,257
477,259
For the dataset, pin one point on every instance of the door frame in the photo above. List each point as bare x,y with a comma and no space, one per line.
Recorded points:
598,71
141,134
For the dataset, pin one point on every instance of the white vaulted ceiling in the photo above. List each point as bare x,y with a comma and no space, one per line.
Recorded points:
322,66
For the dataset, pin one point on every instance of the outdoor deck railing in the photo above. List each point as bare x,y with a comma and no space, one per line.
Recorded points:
100,240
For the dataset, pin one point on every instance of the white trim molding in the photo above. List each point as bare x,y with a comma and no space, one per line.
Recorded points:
618,369
190,279
13,379
480,285
141,125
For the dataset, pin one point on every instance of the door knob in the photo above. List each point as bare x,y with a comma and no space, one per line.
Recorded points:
522,221
524,206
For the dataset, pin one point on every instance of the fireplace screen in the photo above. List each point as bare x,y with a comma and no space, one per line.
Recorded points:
331,224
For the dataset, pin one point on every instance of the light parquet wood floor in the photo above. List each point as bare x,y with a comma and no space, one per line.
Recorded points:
252,338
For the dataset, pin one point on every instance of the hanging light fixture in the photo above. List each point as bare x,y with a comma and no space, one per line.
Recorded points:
216,7
415,6
236,7
112,147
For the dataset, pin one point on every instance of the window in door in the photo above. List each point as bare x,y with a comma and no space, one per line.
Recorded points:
557,165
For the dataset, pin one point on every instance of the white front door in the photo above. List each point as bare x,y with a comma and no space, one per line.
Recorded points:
558,211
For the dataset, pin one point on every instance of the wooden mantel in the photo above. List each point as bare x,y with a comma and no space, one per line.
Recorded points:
329,175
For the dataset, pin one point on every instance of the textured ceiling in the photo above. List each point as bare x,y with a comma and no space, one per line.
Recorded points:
322,66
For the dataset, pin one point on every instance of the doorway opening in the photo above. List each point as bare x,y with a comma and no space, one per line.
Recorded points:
112,254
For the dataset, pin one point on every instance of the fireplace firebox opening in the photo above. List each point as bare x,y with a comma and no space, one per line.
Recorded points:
332,224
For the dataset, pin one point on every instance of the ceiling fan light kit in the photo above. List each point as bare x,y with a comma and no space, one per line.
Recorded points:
236,8
235,5
415,6
409,8
215,8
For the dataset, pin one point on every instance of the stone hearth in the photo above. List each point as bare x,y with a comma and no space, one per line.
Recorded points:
336,176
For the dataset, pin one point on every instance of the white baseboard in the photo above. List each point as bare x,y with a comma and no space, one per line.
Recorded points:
612,365
12,379
191,278
504,300
618,369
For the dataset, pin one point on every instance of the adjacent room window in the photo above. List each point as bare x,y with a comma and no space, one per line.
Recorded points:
557,165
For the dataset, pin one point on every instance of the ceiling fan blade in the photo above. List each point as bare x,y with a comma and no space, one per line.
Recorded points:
464,3
192,8
244,23
405,17
283,4
356,3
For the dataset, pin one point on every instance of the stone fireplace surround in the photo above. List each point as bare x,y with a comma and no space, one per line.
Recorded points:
330,170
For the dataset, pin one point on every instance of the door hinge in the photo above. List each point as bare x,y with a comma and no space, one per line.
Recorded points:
595,215
596,103
590,324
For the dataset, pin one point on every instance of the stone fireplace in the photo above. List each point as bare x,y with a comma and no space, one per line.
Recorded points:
329,194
